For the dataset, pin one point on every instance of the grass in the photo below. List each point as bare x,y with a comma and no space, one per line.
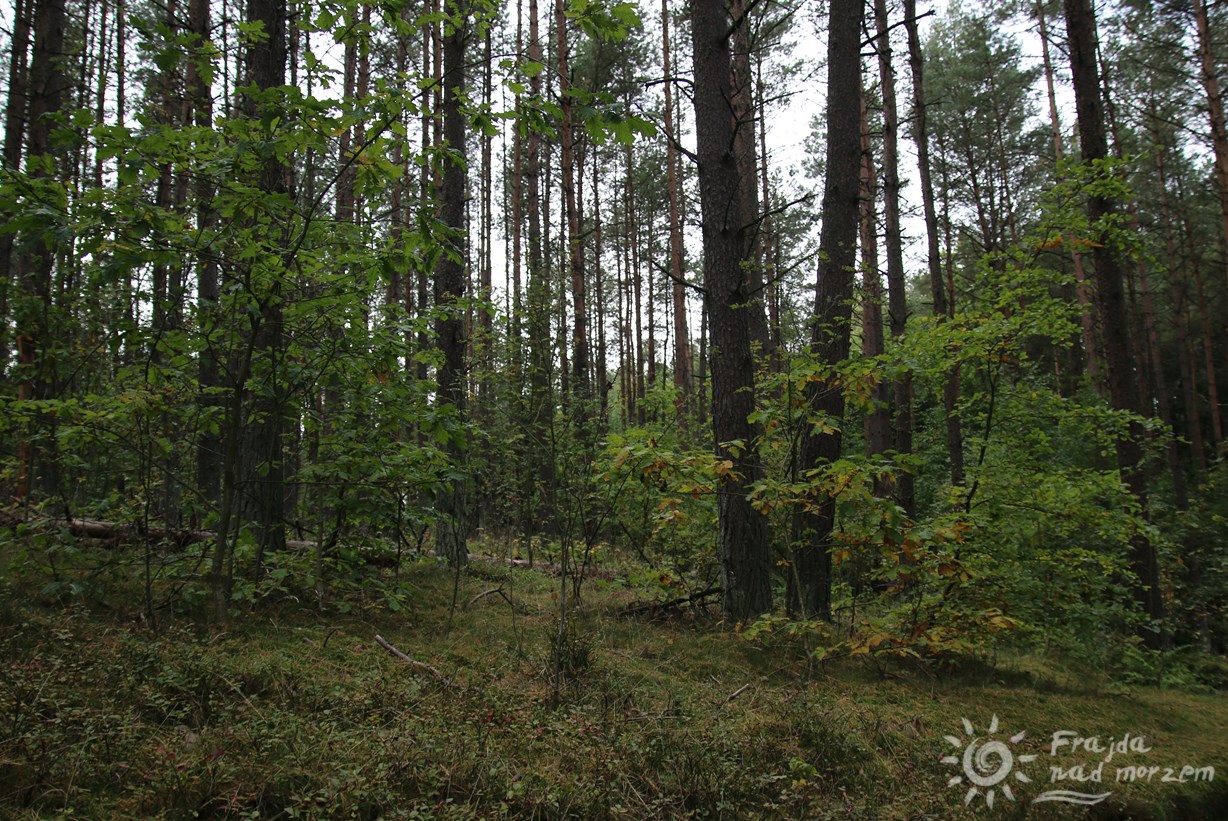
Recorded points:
292,714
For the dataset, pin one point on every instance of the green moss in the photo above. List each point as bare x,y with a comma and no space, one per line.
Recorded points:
295,714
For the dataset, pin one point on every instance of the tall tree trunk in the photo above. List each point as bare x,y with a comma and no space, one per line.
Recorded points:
629,221
942,296
1187,232
14,136
1081,30
745,136
897,298
769,243
603,382
541,400
1215,108
1163,401
1087,319
209,443
263,467
682,341
517,208
46,87
746,560
877,421
1179,293
486,308
452,527
252,432
571,234
810,583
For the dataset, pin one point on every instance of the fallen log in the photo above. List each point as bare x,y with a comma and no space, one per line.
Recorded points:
94,529
113,531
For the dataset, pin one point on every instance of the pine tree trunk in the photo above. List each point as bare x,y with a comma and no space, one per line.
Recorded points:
1215,108
452,528
897,299
682,343
571,233
603,381
265,422
1179,293
745,553
811,581
942,295
46,86
877,422
14,136
541,400
1087,320
1081,30
209,442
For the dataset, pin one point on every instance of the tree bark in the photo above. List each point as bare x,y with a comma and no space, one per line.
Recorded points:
541,399
571,234
46,87
877,422
1087,320
209,443
14,136
897,299
682,341
743,532
1081,31
943,298
811,580
1215,109
452,528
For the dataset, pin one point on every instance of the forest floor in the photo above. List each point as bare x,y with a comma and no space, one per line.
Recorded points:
292,714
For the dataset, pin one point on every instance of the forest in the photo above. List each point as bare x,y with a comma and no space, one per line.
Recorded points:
598,409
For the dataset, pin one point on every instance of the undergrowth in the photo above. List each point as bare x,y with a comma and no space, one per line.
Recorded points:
293,713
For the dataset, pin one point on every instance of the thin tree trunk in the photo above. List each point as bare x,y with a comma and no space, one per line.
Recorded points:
897,298
745,136
682,342
1179,294
571,234
630,218
769,242
541,401
1208,346
209,442
877,422
603,382
943,297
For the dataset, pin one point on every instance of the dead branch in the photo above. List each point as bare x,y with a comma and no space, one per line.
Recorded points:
733,695
489,592
414,663
641,608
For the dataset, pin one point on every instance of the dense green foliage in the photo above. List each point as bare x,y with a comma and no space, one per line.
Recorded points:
236,381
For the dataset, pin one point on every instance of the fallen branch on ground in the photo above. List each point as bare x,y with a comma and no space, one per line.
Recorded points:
734,695
414,663
490,592
640,608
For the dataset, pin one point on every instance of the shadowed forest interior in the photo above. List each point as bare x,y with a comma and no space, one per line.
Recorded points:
877,333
